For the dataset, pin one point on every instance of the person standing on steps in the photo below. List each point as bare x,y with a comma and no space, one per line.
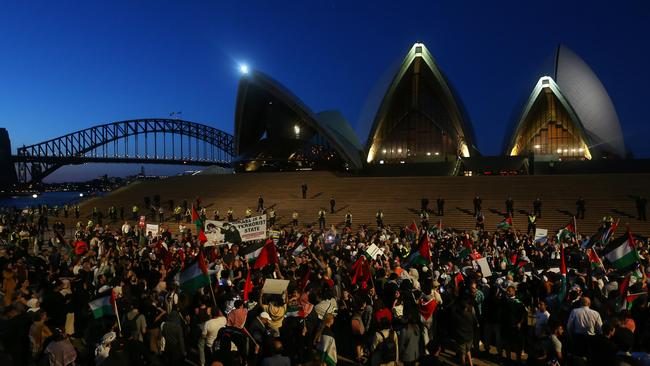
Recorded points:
271,215
424,204
580,208
321,219
441,206
348,220
294,219
303,188
332,204
379,216
510,207
477,204
640,207
532,224
260,203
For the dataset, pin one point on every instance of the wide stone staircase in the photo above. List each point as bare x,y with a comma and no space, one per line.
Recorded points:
398,197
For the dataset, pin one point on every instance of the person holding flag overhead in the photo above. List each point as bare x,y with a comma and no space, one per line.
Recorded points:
621,252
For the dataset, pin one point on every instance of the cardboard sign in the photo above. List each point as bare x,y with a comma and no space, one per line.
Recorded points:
153,228
373,251
484,266
540,235
272,286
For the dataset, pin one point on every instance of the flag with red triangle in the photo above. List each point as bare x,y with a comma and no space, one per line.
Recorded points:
505,224
563,289
268,255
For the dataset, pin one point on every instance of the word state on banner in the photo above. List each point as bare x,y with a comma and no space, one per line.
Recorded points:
252,228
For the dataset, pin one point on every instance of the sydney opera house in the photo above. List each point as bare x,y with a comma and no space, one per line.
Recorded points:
421,123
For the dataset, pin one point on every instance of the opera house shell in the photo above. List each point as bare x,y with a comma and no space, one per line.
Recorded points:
568,115
275,131
420,119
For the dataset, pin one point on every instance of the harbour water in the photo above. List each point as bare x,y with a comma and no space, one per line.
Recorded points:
46,198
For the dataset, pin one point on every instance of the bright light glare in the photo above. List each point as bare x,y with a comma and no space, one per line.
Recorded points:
81,194
537,146
296,129
243,68
34,195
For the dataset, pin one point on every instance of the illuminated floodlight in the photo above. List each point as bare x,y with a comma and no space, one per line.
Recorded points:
381,161
399,151
34,195
81,194
559,151
243,68
437,153
537,146
296,129
428,154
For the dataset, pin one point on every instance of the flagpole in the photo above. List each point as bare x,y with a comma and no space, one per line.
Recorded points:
117,313
575,226
214,301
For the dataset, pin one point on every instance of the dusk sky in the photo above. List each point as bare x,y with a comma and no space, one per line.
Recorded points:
68,65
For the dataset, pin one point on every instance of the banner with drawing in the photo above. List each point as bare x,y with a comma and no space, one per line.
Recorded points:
223,232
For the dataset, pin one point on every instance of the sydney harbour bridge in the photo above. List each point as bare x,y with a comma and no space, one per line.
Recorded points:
142,141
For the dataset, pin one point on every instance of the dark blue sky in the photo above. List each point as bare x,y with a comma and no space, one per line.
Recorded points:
67,65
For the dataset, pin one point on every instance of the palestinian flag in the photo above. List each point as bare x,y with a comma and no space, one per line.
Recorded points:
505,224
295,312
326,348
632,299
568,231
594,259
268,255
251,252
202,238
427,308
195,276
423,253
437,228
624,253
248,286
196,219
104,305
413,227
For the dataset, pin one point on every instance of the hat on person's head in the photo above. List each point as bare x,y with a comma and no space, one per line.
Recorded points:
265,315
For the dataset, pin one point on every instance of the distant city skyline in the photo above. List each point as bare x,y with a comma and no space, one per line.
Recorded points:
72,65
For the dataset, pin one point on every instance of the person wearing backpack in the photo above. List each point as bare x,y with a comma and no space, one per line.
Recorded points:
384,350
135,325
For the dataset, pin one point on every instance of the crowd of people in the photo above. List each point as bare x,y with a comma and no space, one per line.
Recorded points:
364,295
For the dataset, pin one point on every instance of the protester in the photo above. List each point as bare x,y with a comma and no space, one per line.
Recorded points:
373,294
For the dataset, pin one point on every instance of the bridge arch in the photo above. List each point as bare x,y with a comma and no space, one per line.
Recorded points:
174,142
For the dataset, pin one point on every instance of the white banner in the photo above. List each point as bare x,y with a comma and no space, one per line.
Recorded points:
152,228
373,251
222,232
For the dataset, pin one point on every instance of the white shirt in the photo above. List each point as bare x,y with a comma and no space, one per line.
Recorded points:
541,319
211,329
126,228
584,321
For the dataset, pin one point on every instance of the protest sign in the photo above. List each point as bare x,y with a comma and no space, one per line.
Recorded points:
153,229
373,251
540,235
484,266
221,232
272,286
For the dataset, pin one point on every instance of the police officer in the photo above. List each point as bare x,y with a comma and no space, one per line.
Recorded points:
424,204
178,211
294,218
477,204
321,219
640,207
332,204
424,219
249,212
271,217
441,206
510,207
260,203
76,211
532,223
303,188
216,215
229,214
379,216
348,220
580,208
135,210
